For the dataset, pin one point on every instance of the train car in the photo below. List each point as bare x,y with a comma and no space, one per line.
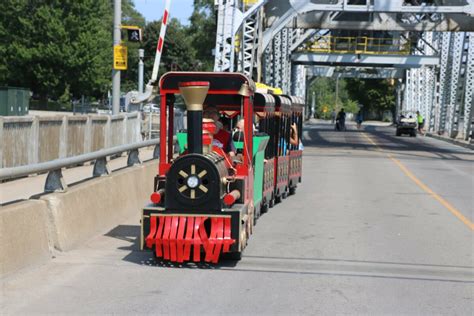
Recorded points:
295,149
282,158
203,200
264,108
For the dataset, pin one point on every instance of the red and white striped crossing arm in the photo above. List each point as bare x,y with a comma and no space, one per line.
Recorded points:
161,40
150,91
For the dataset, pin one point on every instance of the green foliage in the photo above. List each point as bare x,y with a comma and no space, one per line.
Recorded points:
58,44
203,33
377,96
351,106
325,97
130,16
178,53
62,49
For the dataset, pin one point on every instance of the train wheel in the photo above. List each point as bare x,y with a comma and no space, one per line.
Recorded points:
292,190
264,208
277,199
258,213
255,216
234,256
251,220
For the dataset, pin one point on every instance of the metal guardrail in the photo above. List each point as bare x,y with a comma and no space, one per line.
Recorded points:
55,181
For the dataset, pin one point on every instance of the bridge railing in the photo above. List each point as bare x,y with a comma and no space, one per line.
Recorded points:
32,140
360,45
55,181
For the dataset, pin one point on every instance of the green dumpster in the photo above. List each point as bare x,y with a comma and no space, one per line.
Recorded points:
14,101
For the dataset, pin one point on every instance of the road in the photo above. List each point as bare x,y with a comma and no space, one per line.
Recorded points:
380,225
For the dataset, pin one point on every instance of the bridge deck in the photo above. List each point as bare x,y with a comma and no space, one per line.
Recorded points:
362,235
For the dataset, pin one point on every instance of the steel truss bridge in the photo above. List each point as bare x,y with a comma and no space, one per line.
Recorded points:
426,46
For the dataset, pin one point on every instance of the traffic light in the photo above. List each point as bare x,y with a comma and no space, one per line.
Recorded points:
134,33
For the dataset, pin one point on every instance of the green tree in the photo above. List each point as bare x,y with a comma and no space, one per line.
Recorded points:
376,96
48,45
130,16
203,33
325,96
178,52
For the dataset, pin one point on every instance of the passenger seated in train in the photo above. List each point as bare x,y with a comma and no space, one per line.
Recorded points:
222,137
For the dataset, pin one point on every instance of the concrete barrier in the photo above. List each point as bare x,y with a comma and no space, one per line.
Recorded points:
29,140
98,205
31,230
24,235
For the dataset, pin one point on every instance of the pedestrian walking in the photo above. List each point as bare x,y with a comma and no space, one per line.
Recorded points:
359,119
421,122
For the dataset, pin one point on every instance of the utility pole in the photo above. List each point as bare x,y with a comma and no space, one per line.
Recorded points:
337,91
115,72
141,55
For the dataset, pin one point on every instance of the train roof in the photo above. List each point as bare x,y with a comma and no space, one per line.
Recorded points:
219,82
282,104
263,102
297,103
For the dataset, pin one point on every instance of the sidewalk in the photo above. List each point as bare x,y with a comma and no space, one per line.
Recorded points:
459,142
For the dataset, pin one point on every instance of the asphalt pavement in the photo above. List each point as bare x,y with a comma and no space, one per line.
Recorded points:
380,225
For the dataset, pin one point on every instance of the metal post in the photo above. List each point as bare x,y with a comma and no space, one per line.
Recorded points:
150,125
1,142
116,73
337,92
141,55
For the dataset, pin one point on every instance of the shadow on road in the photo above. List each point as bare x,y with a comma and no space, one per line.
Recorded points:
131,234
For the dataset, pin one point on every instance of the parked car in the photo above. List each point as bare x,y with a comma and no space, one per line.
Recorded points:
151,107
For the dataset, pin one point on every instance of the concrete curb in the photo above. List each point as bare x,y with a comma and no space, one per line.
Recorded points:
452,141
31,230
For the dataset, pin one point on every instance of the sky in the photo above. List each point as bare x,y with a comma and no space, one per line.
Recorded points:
153,9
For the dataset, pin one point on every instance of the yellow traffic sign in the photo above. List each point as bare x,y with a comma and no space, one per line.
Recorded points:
120,57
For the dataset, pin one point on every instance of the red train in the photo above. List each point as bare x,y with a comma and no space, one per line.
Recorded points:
207,197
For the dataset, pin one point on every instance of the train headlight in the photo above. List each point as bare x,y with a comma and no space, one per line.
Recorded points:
192,182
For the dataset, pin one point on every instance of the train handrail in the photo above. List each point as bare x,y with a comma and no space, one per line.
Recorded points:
55,181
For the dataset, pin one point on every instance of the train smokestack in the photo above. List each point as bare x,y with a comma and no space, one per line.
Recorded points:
194,93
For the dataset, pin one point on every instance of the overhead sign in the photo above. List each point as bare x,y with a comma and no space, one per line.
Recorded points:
120,57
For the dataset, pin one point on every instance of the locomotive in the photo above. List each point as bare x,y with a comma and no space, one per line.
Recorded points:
205,202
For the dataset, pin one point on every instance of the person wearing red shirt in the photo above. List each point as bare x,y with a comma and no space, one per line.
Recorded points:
222,138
